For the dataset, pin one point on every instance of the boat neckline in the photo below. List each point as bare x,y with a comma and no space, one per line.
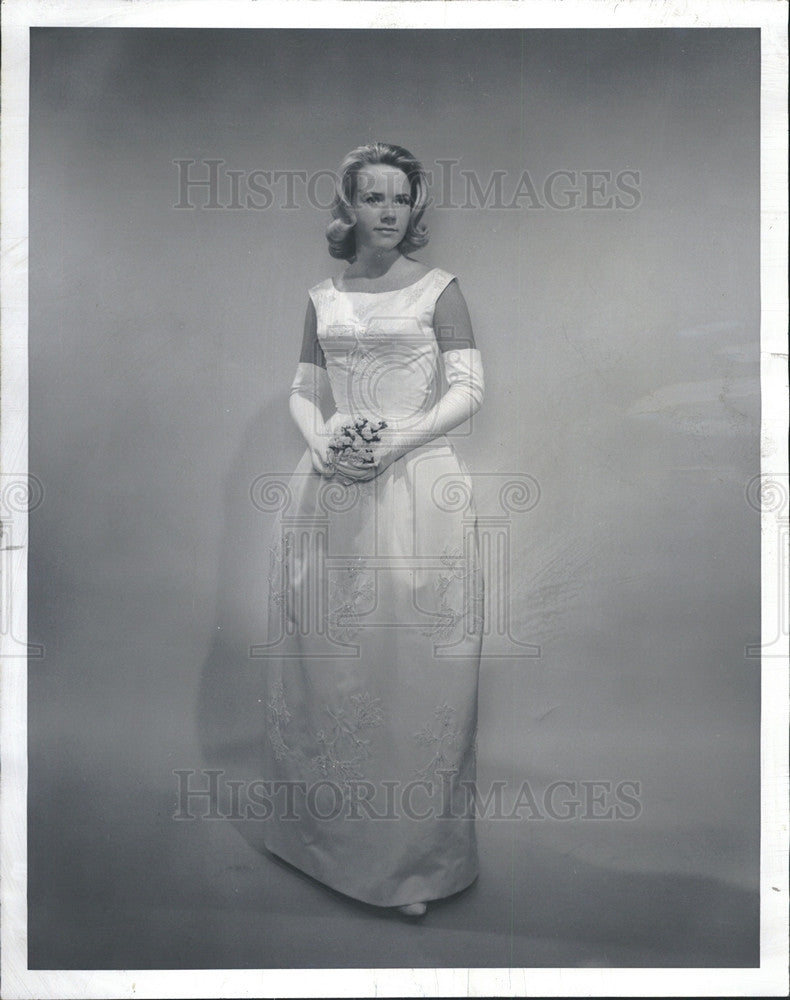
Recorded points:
384,291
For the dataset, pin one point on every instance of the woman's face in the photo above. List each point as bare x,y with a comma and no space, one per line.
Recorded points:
382,206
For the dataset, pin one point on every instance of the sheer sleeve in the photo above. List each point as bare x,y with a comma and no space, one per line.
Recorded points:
310,389
451,323
312,352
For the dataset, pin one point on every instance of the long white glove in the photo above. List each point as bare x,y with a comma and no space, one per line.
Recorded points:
464,397
309,390
466,389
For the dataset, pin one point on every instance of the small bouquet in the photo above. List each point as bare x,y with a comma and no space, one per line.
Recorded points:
352,442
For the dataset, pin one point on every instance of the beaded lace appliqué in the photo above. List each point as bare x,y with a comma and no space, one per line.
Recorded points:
352,588
448,617
442,739
343,747
278,584
279,716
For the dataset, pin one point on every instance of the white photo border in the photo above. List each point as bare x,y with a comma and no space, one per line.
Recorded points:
771,978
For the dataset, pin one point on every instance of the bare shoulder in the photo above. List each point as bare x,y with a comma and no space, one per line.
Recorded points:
413,270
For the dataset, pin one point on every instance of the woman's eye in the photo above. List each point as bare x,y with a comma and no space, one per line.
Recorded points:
374,199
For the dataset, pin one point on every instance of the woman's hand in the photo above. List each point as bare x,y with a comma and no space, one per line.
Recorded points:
387,450
318,445
350,471
318,458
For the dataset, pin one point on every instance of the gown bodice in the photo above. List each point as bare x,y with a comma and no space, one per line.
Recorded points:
382,357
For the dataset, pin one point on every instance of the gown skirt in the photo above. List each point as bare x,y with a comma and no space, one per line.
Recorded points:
375,628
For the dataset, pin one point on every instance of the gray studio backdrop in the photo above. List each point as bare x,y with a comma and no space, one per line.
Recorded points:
621,350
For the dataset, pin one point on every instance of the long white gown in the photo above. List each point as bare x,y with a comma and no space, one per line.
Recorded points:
375,629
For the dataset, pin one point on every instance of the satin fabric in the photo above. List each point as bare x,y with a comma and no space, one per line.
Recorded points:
375,615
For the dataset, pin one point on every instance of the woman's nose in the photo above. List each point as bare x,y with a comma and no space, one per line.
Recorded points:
388,213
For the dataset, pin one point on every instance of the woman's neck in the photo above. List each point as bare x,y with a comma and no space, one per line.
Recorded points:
373,263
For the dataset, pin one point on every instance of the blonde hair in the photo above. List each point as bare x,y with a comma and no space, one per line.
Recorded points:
340,231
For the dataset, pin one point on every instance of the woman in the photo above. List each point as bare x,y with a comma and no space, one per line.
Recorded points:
376,593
